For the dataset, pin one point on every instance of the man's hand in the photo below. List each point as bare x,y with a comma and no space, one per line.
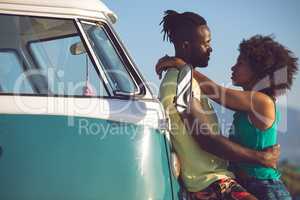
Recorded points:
222,146
270,156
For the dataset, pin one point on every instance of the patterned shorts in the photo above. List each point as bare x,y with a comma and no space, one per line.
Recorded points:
266,189
223,189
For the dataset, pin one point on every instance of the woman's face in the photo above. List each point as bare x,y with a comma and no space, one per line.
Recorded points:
242,74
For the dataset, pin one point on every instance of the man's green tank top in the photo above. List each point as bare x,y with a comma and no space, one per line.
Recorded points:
246,134
199,168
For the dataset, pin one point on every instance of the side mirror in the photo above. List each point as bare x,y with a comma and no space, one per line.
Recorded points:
184,89
77,48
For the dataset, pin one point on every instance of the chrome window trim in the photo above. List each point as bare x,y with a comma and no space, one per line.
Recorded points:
48,15
127,68
93,54
147,91
138,92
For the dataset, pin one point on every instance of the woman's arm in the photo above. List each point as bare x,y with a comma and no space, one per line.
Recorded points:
233,99
258,105
248,101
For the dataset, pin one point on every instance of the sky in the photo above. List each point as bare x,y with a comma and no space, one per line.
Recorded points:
230,22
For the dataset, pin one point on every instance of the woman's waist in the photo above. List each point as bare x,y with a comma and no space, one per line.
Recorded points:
249,171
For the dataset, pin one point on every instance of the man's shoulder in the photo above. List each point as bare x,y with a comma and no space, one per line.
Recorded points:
170,80
168,84
170,76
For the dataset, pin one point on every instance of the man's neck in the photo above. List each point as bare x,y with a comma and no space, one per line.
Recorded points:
184,58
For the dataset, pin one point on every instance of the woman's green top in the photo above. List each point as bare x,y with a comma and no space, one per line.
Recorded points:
246,134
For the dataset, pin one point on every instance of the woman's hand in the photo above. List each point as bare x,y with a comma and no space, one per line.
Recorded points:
167,62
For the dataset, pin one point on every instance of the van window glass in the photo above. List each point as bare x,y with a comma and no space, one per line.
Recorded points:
53,56
69,73
119,78
12,78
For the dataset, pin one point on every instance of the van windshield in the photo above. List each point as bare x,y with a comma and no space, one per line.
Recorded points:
112,62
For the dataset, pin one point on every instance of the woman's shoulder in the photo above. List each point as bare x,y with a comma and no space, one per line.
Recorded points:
263,112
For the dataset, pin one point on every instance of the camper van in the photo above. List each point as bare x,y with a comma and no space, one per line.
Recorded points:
77,120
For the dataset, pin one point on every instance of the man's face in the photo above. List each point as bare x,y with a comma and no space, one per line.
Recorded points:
200,48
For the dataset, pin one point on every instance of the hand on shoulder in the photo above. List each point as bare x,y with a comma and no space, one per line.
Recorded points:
167,62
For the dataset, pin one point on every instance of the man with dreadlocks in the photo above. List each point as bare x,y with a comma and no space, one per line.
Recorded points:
205,175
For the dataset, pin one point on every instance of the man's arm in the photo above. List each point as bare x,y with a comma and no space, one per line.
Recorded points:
226,149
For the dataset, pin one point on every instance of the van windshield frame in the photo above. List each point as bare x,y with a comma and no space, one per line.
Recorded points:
122,65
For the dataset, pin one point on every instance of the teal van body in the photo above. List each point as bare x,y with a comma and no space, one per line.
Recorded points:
45,159
77,120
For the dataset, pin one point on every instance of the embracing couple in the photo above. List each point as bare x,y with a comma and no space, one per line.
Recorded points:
242,166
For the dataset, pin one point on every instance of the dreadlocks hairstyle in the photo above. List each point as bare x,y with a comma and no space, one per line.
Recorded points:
180,26
269,59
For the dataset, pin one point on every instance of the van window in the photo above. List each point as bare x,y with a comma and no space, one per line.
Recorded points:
67,72
51,54
12,78
118,76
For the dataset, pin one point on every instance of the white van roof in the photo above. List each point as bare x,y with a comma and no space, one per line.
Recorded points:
81,8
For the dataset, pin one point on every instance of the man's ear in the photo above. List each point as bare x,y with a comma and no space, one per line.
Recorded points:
185,45
186,48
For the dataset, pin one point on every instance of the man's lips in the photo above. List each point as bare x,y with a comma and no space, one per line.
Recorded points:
208,57
232,76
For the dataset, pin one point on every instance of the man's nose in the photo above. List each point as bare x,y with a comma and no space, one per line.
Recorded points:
210,49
